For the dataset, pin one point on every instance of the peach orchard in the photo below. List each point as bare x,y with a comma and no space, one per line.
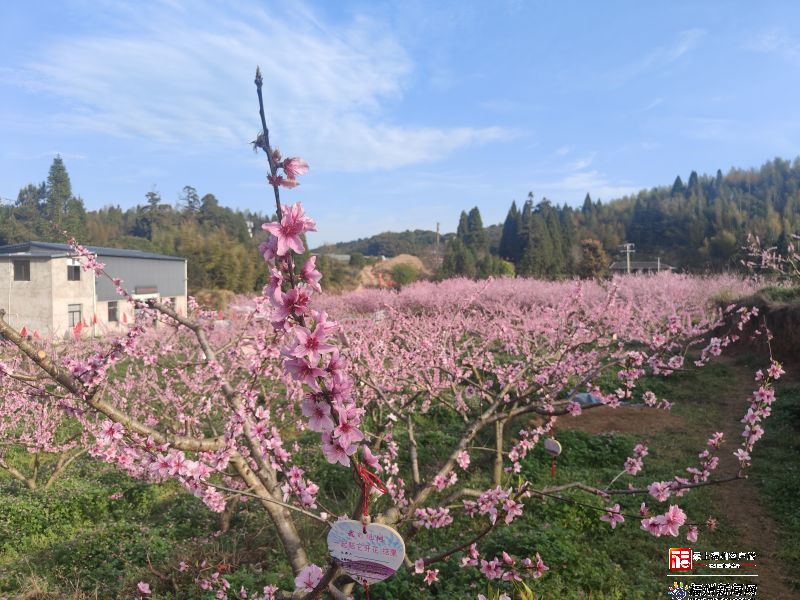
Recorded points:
236,410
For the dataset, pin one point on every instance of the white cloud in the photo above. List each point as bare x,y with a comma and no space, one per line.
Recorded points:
582,163
652,104
594,182
181,77
576,180
776,42
659,58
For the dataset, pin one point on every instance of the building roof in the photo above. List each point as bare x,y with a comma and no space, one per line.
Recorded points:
52,250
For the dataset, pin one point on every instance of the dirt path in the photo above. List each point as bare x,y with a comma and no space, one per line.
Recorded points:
738,502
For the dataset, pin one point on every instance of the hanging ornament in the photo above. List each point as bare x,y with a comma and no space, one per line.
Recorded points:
368,554
553,448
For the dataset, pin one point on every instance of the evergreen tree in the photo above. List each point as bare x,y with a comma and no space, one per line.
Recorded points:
694,183
556,261
458,260
509,243
190,199
58,193
587,205
678,188
569,239
28,214
538,255
594,260
475,238
463,226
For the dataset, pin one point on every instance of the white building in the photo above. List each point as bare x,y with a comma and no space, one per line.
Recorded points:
44,289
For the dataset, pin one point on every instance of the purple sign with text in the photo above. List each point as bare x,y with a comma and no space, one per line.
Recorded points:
367,557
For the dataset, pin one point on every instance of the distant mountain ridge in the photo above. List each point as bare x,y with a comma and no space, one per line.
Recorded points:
419,242
389,244
696,226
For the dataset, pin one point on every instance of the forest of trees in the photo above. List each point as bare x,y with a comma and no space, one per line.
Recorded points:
221,243
418,242
468,253
699,225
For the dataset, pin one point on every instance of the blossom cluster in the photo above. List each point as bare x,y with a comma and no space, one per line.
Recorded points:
309,358
492,501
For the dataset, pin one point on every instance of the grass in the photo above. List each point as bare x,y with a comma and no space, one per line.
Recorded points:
776,473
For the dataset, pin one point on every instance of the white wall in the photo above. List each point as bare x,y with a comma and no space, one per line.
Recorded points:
27,303
65,292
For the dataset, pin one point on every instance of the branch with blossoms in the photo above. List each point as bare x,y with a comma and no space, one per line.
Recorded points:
769,259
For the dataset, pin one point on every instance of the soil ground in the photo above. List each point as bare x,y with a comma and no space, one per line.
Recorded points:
369,274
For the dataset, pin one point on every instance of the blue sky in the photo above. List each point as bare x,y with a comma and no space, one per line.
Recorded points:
407,112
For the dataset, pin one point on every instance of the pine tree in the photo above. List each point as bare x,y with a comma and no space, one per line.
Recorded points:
58,193
538,256
587,205
458,260
463,226
678,188
190,199
594,260
556,261
28,213
694,183
509,242
569,238
475,238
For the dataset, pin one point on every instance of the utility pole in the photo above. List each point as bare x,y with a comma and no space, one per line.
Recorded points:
628,249
436,251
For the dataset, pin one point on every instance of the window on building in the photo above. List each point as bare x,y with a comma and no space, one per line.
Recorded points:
112,312
75,314
22,270
73,273
172,302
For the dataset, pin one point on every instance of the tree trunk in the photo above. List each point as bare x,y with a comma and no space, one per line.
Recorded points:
498,456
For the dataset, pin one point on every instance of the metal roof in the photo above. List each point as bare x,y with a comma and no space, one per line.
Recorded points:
52,250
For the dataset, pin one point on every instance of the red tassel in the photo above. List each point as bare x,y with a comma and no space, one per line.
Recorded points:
366,589
553,468
368,480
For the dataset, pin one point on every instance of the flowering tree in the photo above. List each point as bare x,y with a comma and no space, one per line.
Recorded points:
769,259
241,410
31,424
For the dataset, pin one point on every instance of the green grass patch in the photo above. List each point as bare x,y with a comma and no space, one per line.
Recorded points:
776,472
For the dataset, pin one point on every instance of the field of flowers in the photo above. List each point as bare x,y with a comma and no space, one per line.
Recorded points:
454,391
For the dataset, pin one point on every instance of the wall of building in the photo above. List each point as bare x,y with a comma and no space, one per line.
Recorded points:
168,277
125,316
65,292
42,304
27,303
